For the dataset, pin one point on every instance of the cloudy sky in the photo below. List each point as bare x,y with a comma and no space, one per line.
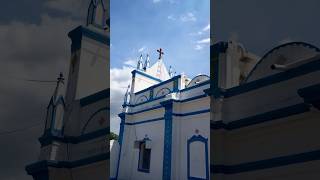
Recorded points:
33,45
262,25
181,28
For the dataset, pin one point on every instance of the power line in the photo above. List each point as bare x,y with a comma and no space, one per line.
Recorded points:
3,133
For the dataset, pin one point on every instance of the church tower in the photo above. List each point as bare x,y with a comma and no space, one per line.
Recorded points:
74,143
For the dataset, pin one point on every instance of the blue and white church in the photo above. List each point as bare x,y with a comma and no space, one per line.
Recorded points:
74,140
164,129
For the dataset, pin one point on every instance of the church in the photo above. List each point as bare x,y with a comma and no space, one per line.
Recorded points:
164,129
74,140
265,112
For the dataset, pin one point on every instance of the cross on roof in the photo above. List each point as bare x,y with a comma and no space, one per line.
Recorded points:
160,53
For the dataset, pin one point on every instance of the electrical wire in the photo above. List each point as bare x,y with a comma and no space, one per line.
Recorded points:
19,130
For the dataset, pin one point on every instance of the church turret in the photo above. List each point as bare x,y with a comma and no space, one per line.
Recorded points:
146,63
140,63
97,15
55,109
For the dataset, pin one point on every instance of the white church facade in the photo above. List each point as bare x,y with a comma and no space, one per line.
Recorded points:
74,141
164,129
265,112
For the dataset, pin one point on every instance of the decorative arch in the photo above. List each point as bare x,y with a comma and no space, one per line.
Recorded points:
202,140
198,79
163,92
264,57
91,118
141,99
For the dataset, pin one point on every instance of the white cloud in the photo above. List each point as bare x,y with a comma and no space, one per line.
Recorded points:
198,47
172,17
207,28
156,1
142,49
120,78
188,17
131,62
204,41
75,7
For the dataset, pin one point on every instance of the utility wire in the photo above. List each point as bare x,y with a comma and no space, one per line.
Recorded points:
3,133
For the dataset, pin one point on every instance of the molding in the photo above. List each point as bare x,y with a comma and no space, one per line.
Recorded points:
204,140
156,85
134,72
275,162
104,94
191,113
40,166
276,48
77,34
262,117
145,121
47,138
272,79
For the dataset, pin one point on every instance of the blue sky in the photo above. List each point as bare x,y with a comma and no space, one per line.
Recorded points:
180,27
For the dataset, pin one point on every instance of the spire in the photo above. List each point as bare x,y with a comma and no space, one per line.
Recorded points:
171,72
59,90
127,96
140,63
97,15
147,63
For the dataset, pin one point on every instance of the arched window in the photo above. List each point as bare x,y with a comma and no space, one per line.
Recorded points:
198,163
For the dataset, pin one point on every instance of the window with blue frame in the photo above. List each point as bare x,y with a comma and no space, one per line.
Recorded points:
144,157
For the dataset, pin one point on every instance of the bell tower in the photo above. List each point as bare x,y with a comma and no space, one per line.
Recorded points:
74,144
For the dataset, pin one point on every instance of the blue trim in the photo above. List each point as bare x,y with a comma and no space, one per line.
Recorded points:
146,121
77,34
167,144
47,138
95,97
293,159
91,117
276,78
204,140
38,167
196,86
276,48
263,117
148,109
120,140
157,85
177,101
173,114
134,72
191,113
